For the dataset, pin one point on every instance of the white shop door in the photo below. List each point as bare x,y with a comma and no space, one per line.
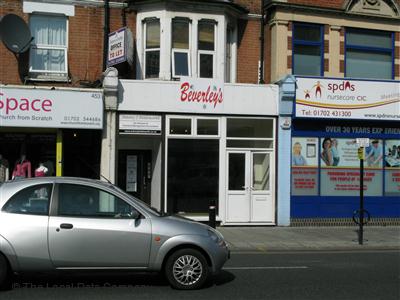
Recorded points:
250,197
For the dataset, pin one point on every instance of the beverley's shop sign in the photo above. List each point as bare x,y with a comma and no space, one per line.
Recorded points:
199,96
347,99
45,108
201,91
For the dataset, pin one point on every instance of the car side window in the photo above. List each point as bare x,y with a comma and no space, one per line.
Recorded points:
33,200
85,201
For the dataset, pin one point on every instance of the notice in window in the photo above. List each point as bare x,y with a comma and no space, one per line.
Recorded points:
304,166
131,173
340,167
392,167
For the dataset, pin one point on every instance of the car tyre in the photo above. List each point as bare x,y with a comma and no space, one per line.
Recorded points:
187,269
4,273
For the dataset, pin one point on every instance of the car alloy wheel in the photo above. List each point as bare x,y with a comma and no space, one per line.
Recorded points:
187,269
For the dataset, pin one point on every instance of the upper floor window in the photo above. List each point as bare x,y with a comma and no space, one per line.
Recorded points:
180,47
206,49
152,48
308,49
49,50
179,44
369,54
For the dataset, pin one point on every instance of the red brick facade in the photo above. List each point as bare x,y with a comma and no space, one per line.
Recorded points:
248,51
8,62
254,6
85,48
85,45
268,59
319,3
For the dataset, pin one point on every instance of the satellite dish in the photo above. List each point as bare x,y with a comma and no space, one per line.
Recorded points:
15,33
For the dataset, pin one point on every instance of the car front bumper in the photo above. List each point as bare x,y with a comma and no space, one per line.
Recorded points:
220,256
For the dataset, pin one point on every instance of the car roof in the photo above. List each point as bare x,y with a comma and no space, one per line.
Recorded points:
58,179
14,185
8,188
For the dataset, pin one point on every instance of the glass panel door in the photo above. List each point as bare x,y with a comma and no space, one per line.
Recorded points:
250,185
237,165
261,172
261,197
238,194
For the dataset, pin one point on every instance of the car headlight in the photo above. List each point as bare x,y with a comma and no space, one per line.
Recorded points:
216,237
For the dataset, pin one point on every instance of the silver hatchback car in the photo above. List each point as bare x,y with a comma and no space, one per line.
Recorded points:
60,223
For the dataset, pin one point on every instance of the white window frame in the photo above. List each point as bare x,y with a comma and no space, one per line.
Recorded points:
167,61
182,117
193,127
261,139
229,53
175,50
200,52
145,50
48,74
179,50
208,135
208,52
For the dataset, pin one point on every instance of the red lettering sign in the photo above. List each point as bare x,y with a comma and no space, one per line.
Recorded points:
188,94
10,104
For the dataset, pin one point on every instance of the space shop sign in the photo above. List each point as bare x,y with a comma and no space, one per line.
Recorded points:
347,99
45,108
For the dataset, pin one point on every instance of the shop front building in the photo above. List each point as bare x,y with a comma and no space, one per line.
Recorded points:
49,132
333,118
183,146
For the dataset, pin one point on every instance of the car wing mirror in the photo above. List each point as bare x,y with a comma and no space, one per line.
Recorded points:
135,214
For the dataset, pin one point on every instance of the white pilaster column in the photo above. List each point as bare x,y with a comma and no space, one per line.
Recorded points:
108,142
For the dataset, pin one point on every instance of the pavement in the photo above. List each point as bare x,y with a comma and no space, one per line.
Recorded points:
266,239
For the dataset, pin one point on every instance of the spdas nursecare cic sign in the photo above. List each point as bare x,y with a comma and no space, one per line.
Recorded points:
347,99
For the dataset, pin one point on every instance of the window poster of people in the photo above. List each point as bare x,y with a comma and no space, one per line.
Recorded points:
340,167
392,167
304,166
343,153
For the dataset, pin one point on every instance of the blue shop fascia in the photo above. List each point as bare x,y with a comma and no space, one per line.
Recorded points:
323,122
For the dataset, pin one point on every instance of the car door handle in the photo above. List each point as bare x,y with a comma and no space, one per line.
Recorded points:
66,226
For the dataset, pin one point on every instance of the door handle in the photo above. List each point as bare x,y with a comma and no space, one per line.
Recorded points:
245,187
66,226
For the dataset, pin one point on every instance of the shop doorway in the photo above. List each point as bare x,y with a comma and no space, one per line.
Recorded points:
81,155
250,197
135,172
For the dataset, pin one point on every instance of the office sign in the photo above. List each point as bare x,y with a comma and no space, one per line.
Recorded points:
140,124
117,47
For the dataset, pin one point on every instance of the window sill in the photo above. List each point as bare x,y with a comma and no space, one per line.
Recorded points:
49,78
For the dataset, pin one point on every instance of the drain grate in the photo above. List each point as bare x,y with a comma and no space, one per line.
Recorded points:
299,222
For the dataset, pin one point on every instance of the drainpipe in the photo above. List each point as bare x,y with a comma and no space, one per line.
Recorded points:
262,26
106,32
